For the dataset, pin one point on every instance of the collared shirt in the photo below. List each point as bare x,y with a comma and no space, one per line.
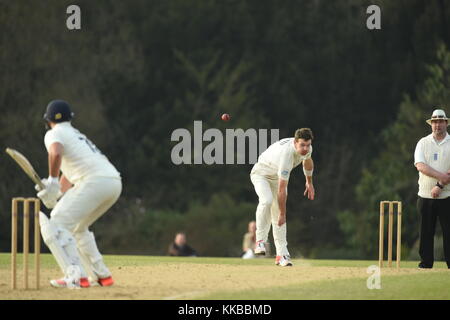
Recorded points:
279,159
436,155
80,158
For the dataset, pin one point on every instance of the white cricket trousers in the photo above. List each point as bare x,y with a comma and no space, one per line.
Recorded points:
268,212
79,208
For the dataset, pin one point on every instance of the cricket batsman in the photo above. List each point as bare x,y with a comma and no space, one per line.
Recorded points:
87,185
270,177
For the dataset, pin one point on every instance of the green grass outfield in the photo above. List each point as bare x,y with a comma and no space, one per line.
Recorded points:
415,284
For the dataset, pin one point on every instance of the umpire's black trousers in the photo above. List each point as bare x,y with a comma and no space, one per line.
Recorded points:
430,210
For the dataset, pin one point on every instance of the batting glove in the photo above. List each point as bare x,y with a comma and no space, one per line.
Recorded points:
45,183
38,187
51,193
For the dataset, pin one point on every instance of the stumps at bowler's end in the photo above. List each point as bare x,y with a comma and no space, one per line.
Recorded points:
391,205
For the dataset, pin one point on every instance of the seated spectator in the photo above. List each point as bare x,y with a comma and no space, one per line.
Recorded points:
248,244
180,247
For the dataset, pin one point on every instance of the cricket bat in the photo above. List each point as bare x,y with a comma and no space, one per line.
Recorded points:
26,166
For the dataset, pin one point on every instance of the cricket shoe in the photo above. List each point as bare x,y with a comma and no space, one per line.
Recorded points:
423,266
260,248
284,261
70,283
105,282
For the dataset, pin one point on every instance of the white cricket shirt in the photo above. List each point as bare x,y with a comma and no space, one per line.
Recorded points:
437,156
80,158
279,159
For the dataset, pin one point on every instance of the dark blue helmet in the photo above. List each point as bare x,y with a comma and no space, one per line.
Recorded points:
58,111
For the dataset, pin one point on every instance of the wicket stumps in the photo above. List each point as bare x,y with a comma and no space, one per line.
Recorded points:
26,230
390,232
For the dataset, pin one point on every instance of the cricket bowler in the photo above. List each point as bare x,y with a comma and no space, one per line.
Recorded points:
270,177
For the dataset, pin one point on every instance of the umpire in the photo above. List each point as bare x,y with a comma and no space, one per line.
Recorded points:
432,160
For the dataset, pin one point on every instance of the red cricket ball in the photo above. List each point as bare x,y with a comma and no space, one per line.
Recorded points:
226,117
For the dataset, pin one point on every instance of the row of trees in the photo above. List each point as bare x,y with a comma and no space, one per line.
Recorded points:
138,70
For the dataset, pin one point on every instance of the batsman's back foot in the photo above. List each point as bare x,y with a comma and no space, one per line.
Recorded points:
106,282
69,283
84,283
